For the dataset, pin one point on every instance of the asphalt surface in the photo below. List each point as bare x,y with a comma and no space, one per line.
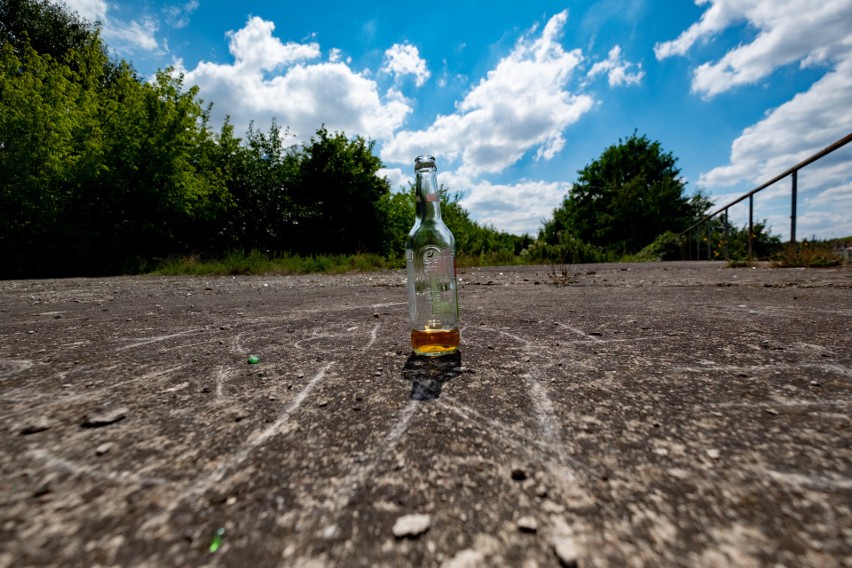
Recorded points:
666,414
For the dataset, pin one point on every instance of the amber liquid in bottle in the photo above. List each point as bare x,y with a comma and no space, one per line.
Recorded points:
436,342
430,266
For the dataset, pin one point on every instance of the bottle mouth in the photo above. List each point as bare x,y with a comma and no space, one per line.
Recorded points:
424,161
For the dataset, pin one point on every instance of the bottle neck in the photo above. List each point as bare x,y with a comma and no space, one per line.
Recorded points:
427,196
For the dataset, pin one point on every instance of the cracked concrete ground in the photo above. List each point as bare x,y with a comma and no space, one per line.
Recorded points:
667,414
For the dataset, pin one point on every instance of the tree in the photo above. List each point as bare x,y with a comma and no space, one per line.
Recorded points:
338,194
625,198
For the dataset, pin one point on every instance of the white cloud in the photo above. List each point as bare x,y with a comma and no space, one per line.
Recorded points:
300,95
93,10
178,16
790,133
794,31
255,48
791,31
523,104
404,59
125,37
616,69
396,177
517,208
128,37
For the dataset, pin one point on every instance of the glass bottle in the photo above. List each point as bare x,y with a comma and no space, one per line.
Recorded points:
430,263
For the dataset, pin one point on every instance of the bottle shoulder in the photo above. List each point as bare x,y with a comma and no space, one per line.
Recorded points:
430,233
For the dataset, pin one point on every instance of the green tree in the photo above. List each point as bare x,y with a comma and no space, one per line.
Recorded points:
46,27
625,198
337,194
261,180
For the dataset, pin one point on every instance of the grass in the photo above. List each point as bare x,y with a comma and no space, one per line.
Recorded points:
238,263
808,255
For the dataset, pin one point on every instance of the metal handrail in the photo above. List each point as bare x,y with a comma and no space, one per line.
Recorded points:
750,195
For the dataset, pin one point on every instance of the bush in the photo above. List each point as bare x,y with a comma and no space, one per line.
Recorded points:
807,254
667,246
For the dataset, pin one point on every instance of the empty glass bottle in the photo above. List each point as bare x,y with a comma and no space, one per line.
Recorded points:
430,262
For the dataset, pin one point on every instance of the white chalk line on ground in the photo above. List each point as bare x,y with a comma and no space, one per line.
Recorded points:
578,332
258,438
359,473
91,471
373,335
148,340
802,480
514,437
255,439
9,367
92,394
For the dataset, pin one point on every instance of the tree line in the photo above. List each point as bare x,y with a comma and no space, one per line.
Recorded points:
102,172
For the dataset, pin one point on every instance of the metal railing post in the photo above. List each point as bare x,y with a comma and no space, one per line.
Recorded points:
709,248
727,237
793,207
750,228
750,195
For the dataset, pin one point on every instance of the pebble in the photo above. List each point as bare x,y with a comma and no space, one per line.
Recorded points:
713,453
35,426
411,525
104,417
565,550
519,474
103,448
527,524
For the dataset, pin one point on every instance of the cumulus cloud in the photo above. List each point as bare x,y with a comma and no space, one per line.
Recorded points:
522,105
93,10
300,94
255,48
177,16
787,32
616,69
404,59
517,208
792,32
126,37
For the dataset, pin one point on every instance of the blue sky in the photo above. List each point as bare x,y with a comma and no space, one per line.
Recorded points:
514,97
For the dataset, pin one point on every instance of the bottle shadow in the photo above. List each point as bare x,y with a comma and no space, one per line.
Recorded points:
428,375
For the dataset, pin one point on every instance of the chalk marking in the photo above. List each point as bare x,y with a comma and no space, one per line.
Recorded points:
389,305
803,480
578,332
543,409
358,474
258,438
373,335
514,437
9,367
221,375
298,344
147,340
119,476
63,400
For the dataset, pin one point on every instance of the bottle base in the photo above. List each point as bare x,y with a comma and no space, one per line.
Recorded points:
434,343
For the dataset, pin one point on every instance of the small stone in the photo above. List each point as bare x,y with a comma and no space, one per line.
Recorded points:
527,524
771,411
103,448
713,453
410,526
105,417
34,427
565,550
